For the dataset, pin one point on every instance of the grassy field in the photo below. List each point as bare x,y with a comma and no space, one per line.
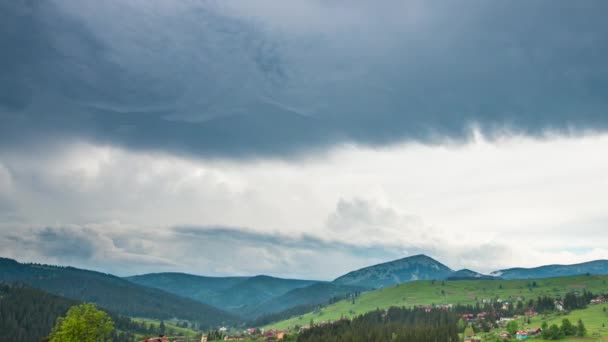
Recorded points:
594,317
448,292
170,327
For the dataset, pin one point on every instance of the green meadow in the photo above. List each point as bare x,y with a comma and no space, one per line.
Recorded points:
594,317
171,329
448,292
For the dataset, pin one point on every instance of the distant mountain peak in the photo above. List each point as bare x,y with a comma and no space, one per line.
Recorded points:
415,267
556,270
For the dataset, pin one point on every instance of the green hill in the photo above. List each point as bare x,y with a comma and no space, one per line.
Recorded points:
112,293
28,315
199,288
417,267
229,293
449,292
315,294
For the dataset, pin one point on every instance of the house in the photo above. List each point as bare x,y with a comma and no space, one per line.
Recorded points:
161,338
526,334
559,305
472,339
534,332
504,336
253,331
466,317
598,300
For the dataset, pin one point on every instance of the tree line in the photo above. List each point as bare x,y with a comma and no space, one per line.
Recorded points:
394,324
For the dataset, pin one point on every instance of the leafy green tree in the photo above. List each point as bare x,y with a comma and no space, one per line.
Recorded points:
512,327
567,328
581,331
461,325
469,332
83,323
552,333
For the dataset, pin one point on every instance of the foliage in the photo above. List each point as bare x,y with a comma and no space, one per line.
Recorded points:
111,293
552,333
573,302
394,324
512,327
567,328
468,293
83,323
581,330
468,331
27,315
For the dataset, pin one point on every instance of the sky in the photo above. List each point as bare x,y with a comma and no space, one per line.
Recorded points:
302,139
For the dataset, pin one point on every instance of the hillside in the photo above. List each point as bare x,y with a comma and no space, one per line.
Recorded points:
229,293
418,267
111,293
28,315
449,292
196,287
318,293
591,267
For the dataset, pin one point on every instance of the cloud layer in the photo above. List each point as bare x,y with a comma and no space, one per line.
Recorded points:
259,78
469,205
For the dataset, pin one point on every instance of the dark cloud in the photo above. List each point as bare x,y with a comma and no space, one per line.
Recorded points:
65,243
203,82
243,236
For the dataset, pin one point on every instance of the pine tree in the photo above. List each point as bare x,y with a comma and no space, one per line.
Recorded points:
581,330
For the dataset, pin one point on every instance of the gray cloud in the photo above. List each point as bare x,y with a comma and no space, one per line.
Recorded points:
236,79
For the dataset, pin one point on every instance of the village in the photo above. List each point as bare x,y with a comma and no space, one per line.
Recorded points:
474,323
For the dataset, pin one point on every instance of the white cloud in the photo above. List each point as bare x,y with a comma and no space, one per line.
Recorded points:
514,201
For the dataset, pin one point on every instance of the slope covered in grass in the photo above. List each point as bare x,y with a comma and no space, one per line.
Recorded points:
449,292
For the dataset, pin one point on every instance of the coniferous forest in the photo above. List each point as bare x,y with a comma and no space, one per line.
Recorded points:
394,324
28,315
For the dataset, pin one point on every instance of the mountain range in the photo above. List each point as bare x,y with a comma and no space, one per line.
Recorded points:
591,267
213,301
112,293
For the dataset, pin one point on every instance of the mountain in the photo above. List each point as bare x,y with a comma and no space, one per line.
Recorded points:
315,294
417,267
255,291
591,267
196,287
112,293
230,293
466,274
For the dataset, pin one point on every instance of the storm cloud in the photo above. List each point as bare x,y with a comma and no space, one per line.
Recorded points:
239,78
308,138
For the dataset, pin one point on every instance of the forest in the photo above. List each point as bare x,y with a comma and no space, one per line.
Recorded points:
28,315
394,324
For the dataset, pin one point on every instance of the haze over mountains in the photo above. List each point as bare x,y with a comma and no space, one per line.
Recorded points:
223,300
111,292
591,267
